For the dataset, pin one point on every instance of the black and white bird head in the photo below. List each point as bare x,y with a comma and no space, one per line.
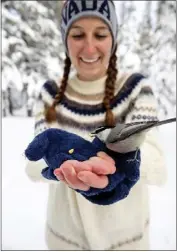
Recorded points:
129,136
102,133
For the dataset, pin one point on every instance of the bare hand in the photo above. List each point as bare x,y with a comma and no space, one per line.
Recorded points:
86,174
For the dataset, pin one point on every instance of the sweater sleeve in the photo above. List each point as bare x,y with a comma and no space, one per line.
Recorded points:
144,108
153,169
34,169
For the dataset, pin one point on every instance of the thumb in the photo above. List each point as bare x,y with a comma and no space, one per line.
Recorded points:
37,148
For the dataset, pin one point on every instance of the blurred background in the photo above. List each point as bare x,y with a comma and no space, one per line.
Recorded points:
32,52
32,49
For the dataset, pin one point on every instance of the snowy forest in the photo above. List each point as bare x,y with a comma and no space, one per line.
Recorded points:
32,50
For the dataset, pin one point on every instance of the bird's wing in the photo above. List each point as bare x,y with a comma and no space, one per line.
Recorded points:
133,128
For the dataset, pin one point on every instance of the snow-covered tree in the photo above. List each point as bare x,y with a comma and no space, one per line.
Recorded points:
127,35
144,47
147,43
32,49
163,63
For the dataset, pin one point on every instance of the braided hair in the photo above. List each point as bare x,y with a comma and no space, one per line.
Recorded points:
109,89
50,113
112,71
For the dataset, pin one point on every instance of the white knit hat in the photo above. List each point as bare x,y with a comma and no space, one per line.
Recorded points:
75,9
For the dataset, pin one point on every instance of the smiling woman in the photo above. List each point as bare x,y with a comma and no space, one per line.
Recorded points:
97,95
90,45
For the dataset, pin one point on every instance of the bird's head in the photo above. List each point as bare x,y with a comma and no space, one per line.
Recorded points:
102,133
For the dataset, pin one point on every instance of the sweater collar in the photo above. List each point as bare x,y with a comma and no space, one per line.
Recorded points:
87,87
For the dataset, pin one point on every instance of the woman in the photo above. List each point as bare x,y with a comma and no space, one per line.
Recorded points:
96,95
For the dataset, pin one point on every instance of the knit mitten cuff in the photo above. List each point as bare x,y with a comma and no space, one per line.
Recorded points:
120,183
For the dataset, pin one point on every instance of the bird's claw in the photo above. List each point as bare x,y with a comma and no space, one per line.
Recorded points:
133,160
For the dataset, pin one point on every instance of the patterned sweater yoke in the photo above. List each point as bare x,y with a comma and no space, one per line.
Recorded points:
82,105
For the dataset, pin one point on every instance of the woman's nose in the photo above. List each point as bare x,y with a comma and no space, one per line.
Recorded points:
89,46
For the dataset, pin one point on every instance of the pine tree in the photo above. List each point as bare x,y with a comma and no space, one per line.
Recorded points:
32,49
145,48
127,36
163,63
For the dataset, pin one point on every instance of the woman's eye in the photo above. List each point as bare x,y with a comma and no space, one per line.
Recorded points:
82,36
101,36
78,36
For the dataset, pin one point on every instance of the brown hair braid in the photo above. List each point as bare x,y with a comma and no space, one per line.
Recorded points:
50,113
109,89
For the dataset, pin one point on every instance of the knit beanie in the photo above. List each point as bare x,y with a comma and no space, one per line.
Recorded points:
76,9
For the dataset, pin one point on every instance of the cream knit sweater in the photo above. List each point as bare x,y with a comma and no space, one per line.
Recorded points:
73,223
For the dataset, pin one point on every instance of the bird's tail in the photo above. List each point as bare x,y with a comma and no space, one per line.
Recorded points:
137,127
170,120
152,124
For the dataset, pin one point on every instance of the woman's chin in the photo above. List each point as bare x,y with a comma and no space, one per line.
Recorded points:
91,74
90,77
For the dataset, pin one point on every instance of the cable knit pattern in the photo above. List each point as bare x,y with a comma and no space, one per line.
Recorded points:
73,221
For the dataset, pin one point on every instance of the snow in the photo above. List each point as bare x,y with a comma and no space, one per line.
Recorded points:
10,15
24,202
35,4
13,77
32,47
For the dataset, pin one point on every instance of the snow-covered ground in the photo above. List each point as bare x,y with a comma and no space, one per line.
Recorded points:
24,202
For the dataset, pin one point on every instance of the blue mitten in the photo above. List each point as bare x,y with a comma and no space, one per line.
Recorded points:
54,145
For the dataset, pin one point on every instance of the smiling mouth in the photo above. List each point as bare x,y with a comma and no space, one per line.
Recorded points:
90,61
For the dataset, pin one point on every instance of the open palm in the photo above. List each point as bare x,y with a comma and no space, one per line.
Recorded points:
90,173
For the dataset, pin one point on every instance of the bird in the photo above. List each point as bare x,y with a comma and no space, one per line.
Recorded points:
127,137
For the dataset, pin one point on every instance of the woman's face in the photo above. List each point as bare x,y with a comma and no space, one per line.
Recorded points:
89,44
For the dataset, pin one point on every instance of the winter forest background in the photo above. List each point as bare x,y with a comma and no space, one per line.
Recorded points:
32,49
32,52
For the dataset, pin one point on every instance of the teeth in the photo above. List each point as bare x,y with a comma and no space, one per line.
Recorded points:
89,60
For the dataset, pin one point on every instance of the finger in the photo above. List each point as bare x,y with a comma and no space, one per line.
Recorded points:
58,173
61,180
100,166
71,178
105,156
93,180
78,166
82,166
